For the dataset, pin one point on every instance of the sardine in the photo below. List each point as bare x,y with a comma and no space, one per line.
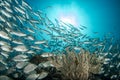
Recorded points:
20,58
3,43
43,75
30,67
8,9
40,42
19,10
21,48
6,48
4,35
21,65
17,42
32,77
7,14
2,19
18,33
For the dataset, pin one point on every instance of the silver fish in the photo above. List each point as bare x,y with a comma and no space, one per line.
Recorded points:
30,30
5,54
18,33
21,48
20,58
2,19
83,26
43,75
7,3
3,43
26,5
7,14
30,52
113,76
8,9
36,47
40,42
19,10
6,48
30,38
118,65
17,42
110,47
4,77
4,35
32,77
29,68
21,65
9,24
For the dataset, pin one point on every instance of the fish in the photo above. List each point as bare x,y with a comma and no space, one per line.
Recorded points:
40,42
43,75
8,9
35,47
87,42
7,14
19,10
34,21
30,51
113,76
17,42
30,38
6,48
32,77
5,54
47,55
107,59
29,68
83,26
20,58
25,33
110,47
21,65
3,43
2,19
21,48
4,35
118,65
17,33
9,24
30,30
26,5
4,77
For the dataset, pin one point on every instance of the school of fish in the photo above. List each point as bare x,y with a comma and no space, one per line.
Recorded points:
25,33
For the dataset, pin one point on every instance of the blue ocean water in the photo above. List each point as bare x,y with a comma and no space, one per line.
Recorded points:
98,15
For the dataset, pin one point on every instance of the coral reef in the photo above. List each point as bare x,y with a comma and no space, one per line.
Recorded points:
77,66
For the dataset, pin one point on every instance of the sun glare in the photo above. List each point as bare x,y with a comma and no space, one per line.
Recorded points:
69,19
